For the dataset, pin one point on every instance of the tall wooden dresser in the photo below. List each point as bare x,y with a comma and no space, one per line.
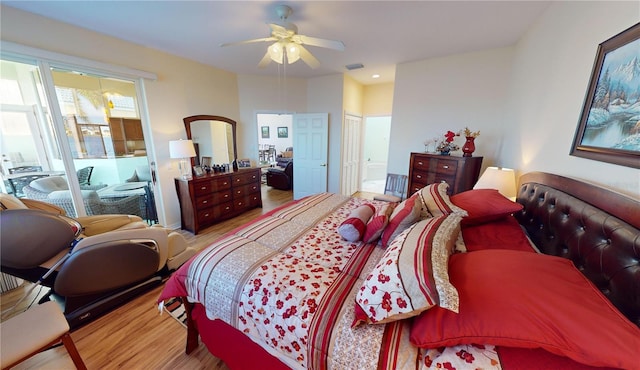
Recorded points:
461,173
207,199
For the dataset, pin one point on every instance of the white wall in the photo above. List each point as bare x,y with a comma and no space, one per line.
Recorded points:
552,67
264,94
325,96
449,93
525,99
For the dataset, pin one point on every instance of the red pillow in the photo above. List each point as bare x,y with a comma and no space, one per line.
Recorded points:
529,300
484,205
378,222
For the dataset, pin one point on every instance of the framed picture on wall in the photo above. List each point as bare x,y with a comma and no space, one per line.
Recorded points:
283,132
609,128
265,132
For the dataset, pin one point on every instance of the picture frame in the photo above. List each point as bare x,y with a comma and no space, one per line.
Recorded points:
265,132
198,170
283,132
609,128
244,163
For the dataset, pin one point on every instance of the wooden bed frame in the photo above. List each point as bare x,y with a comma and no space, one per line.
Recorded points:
598,229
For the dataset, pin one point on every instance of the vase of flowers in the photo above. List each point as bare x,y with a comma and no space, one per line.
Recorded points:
469,145
446,145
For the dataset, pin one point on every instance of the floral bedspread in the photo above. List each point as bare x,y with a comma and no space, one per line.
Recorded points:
288,281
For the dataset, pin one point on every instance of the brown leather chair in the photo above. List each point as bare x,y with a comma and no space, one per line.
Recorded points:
281,178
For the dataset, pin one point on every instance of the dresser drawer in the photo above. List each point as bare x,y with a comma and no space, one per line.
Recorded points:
209,215
422,163
246,178
211,185
210,200
247,202
242,191
445,167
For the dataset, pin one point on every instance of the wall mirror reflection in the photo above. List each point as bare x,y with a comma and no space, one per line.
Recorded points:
214,138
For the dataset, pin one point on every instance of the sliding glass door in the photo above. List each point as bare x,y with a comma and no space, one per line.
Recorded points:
74,138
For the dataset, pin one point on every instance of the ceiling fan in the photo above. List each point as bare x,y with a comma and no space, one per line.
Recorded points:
288,43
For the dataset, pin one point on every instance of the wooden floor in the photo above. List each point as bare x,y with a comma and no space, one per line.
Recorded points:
136,336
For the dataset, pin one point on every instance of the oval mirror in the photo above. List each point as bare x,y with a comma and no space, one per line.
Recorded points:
214,138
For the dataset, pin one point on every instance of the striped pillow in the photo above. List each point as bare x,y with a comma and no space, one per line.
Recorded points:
404,215
378,222
412,276
436,202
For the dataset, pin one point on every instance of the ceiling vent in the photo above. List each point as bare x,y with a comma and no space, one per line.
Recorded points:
354,66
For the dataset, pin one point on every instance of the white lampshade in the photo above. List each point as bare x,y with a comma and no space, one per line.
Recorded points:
181,149
501,179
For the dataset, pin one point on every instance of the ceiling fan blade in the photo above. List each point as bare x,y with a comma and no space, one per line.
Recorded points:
248,41
266,59
306,57
280,32
323,43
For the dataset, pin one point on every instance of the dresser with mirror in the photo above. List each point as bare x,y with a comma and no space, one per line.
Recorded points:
213,197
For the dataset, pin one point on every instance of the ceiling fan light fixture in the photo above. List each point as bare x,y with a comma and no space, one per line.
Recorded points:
276,53
293,52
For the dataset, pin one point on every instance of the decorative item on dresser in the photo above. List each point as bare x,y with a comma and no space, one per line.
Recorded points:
461,173
217,196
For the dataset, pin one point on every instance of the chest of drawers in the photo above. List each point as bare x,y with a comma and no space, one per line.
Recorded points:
208,199
461,173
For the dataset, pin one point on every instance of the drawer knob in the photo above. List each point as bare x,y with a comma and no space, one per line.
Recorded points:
445,167
203,188
226,208
419,176
205,201
226,195
206,215
420,163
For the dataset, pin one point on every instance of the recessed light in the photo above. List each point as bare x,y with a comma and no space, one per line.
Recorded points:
375,76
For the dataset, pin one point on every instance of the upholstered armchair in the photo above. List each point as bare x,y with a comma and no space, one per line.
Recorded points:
281,178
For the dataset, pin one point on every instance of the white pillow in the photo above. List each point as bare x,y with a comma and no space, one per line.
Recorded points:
49,184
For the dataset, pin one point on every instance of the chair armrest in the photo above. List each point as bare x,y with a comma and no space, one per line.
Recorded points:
98,224
43,206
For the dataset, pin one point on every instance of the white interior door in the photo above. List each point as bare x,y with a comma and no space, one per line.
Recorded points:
351,134
310,151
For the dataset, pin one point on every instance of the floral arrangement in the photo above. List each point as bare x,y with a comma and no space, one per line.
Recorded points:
447,142
469,133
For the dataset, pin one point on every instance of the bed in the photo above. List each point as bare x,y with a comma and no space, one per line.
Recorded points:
468,281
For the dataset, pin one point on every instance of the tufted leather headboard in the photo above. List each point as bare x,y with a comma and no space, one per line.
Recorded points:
599,230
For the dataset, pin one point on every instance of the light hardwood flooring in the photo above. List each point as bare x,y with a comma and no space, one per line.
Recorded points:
135,335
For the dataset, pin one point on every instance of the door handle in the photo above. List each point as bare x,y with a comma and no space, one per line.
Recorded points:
323,165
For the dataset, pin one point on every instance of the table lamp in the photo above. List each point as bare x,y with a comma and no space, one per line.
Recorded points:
183,149
502,179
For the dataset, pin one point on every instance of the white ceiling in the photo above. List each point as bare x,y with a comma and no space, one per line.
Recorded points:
378,34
